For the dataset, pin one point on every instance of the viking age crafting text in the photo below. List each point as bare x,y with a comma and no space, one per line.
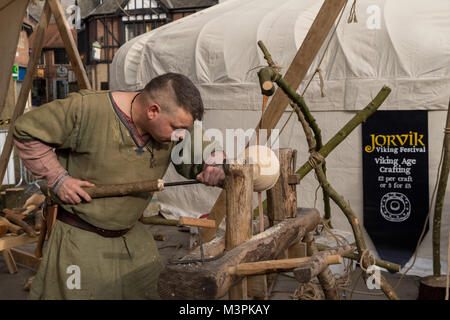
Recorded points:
395,181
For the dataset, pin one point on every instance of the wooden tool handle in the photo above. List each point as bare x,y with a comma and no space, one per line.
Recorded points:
117,190
195,222
334,259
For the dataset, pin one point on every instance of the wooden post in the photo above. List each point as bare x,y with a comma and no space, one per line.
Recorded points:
282,198
10,24
326,277
239,201
69,44
26,86
294,75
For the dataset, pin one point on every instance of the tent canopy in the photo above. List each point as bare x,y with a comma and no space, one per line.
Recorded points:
402,43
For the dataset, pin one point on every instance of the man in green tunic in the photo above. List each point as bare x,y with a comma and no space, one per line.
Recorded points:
98,249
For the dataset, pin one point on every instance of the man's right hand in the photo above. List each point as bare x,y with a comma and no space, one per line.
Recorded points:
71,190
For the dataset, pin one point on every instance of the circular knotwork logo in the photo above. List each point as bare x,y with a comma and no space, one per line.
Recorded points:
395,207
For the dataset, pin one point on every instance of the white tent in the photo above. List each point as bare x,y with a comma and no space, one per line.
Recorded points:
404,44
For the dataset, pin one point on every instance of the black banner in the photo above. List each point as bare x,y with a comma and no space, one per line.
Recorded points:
395,181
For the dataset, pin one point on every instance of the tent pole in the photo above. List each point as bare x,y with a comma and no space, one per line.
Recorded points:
440,197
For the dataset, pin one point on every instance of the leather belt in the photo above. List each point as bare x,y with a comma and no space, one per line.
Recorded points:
76,221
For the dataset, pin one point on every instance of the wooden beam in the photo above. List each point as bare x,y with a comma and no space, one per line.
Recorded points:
318,262
25,258
302,61
294,76
8,242
269,266
69,44
196,222
210,280
26,86
11,19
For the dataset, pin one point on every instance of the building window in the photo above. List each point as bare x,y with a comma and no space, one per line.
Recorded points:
41,61
139,4
61,56
130,31
104,85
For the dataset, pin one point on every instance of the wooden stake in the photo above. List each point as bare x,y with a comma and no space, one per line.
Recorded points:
13,12
326,278
10,263
69,44
239,194
26,86
440,197
282,198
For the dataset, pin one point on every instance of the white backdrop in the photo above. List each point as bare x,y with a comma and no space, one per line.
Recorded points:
404,44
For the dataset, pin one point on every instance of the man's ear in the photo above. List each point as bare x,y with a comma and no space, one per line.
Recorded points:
153,111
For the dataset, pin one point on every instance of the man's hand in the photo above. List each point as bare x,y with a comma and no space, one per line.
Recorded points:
211,176
71,190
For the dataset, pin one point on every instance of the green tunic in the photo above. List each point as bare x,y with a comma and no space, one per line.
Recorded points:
94,144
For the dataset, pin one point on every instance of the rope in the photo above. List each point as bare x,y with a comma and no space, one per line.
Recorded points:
315,159
352,16
308,291
447,130
340,240
367,253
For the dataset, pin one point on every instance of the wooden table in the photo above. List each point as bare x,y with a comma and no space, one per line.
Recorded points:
11,255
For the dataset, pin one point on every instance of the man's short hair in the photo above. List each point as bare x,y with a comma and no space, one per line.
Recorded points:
185,94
